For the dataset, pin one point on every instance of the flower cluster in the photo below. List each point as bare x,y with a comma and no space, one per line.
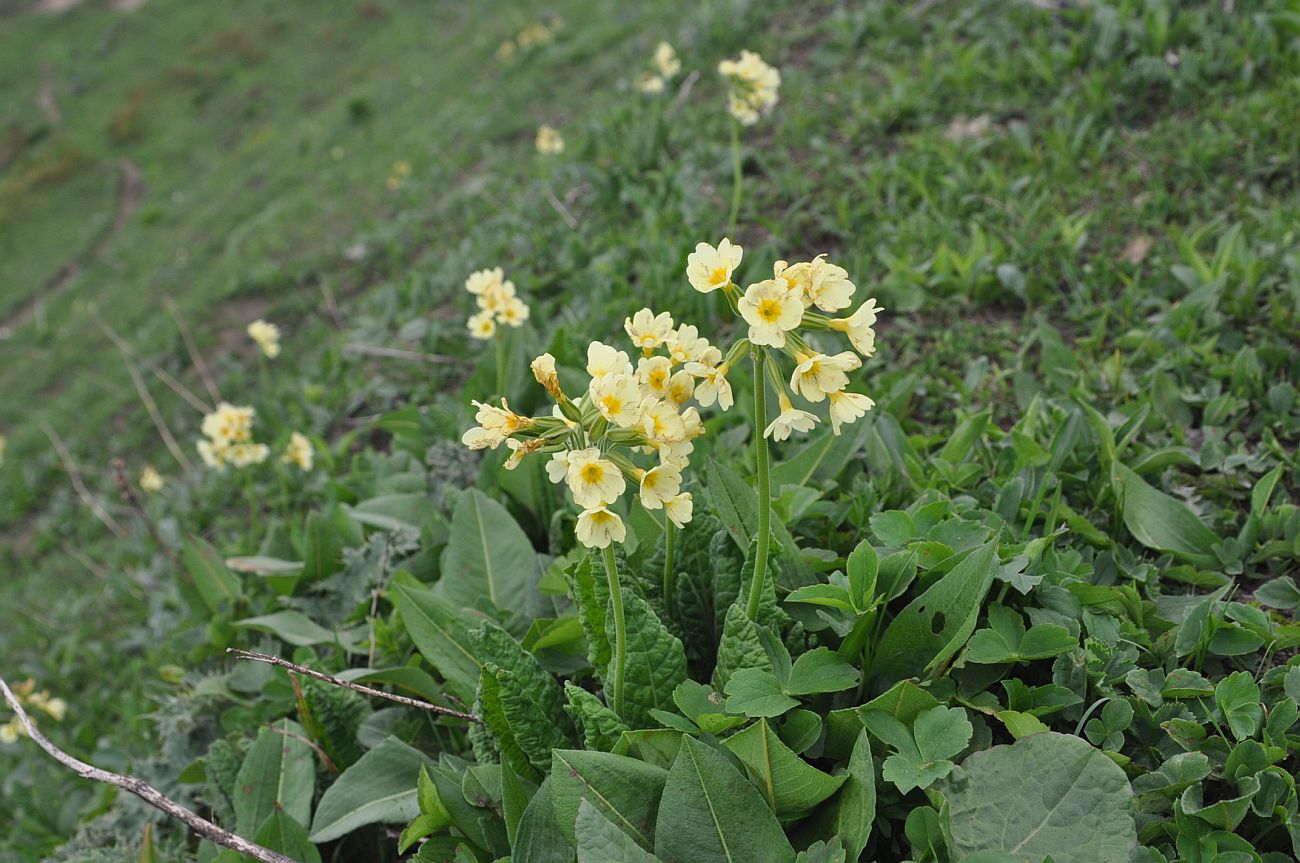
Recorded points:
267,337
533,36
780,312
497,303
664,67
401,170
27,695
299,452
751,87
229,438
625,413
150,480
549,141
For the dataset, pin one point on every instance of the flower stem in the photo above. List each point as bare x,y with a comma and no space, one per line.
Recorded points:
670,574
501,364
736,177
620,628
763,486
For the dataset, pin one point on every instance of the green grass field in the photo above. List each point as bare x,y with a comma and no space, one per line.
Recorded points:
1081,220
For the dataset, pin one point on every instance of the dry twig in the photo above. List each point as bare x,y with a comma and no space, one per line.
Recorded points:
183,391
195,357
143,790
347,684
149,404
398,354
74,474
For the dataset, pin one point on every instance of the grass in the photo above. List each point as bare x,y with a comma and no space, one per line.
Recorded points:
1092,205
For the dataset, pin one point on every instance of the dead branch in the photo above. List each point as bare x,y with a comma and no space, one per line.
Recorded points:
398,354
195,357
79,485
145,396
347,684
183,391
141,789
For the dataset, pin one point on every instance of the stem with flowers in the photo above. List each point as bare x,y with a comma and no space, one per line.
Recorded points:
763,484
619,662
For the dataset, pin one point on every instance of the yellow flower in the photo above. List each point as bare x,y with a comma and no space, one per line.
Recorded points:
708,269
846,407
57,708
648,330
653,373
858,327
830,289
558,467
482,325
598,527
680,387
753,86
686,345
549,141
513,313
11,731
618,399
659,484
679,508
150,480
506,51
485,281
299,452
543,369
604,360
818,375
521,448
660,420
771,310
246,454
210,455
593,481
790,419
229,433
651,85
267,337
665,60
495,424
713,385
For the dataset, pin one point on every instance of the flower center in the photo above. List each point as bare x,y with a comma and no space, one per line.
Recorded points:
612,404
769,310
592,473
718,276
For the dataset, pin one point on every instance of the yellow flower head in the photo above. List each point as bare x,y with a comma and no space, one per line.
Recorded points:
654,373
618,398
709,268
549,141
713,385
267,337
752,86
482,325
858,327
598,527
846,407
229,433
818,375
791,419
594,481
771,309
543,369
651,85
150,480
513,313
648,330
665,60
660,420
660,484
604,360
679,508
299,452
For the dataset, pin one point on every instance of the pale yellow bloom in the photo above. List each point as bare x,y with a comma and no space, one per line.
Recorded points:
513,312
753,86
247,454
549,141
665,60
483,325
771,310
11,731
267,337
858,327
521,448
598,527
660,420
485,281
299,452
709,268
495,424
557,467
687,345
229,432
653,373
680,388
604,360
830,289
846,407
818,375
660,484
543,368
651,85
506,51
713,385
150,480
57,708
211,457
594,481
618,398
679,508
648,330
791,419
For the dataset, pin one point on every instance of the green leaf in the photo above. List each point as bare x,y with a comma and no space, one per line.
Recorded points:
736,504
829,595
293,627
1046,795
323,538
591,595
893,527
1007,641
217,586
380,787
524,694
488,557
1174,775
281,833
601,841
710,812
539,838
497,722
278,774
1281,592
935,625
1225,813
856,811
862,569
703,706
739,648
903,701
820,670
964,437
1237,696
600,726
923,754
656,663
756,692
439,631
791,785
624,790
1161,522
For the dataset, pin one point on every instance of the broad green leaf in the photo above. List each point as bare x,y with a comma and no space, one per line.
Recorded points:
515,796
488,557
1161,522
755,692
893,527
1047,795
791,785
1174,775
1225,813
829,595
591,595
857,802
217,586
656,663
281,833
500,740
964,437
293,627
823,455
404,511
440,632
539,838
1021,724
1006,639
739,648
935,625
599,725
923,753
261,565
820,670
710,812
1237,696
862,568
524,694
380,787
278,774
416,681
624,790
736,503
601,841
324,536
903,701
